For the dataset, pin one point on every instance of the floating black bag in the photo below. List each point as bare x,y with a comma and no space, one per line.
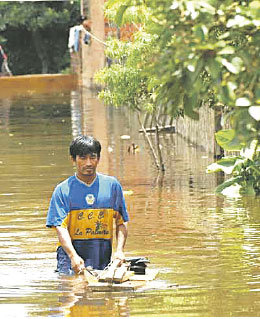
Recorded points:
137,264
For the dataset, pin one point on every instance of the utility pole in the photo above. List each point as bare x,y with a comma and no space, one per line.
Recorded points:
93,54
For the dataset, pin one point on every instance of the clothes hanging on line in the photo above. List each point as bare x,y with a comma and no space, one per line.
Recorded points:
74,36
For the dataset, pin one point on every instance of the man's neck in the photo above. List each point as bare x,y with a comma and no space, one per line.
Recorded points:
87,179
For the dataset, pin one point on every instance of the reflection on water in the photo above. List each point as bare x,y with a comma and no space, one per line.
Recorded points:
206,247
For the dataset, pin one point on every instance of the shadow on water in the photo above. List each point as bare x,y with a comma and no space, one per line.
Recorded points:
206,247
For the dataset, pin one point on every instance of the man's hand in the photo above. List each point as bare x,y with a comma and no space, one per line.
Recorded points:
119,255
77,264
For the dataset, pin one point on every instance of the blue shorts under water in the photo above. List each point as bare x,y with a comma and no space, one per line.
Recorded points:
95,253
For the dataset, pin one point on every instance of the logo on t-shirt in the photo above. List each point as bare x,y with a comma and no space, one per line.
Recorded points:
90,199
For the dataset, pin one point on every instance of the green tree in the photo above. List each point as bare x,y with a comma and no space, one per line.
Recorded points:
35,34
199,52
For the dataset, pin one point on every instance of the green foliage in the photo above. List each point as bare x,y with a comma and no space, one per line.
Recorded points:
203,49
198,52
228,140
123,12
36,34
124,82
244,168
210,36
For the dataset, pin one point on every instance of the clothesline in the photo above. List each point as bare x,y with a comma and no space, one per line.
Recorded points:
94,37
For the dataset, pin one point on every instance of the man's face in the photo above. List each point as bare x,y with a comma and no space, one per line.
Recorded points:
87,164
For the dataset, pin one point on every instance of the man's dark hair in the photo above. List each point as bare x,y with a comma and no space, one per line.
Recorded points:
82,18
83,145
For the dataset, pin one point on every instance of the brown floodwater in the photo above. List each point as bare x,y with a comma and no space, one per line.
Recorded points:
207,248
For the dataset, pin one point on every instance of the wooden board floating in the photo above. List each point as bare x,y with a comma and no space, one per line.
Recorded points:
125,286
132,283
150,275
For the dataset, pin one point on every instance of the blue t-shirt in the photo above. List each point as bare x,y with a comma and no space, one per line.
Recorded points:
88,211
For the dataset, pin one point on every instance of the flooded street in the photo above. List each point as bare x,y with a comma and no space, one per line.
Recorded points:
207,248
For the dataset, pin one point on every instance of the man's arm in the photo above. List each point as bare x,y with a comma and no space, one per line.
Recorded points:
121,236
77,263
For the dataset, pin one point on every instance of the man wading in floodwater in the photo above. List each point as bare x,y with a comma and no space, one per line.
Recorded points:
82,209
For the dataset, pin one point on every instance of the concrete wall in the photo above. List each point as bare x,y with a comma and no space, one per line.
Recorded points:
40,83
